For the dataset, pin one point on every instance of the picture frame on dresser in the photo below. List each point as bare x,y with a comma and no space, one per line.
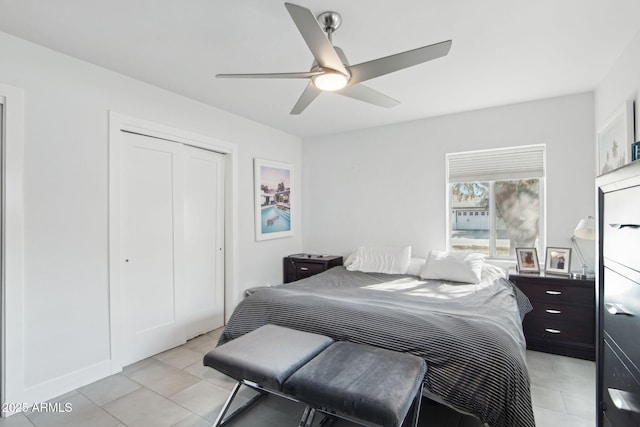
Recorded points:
558,261
527,259
615,137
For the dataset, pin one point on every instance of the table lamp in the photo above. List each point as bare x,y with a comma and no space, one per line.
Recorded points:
585,230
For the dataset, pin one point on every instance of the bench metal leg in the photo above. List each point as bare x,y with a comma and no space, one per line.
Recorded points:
307,417
221,420
416,407
327,421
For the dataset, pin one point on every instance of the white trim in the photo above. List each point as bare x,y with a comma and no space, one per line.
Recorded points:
13,389
43,391
119,122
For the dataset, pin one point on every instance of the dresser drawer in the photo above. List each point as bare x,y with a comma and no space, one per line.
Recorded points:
554,293
621,296
621,229
537,328
620,390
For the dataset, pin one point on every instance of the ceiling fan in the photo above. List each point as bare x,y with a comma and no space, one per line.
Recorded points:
331,71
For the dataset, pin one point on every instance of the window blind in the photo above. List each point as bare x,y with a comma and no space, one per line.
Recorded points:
498,164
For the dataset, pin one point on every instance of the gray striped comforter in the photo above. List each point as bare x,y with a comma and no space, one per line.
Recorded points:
472,342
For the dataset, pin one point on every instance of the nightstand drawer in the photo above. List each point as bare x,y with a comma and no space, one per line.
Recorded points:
307,269
554,293
301,266
562,312
558,330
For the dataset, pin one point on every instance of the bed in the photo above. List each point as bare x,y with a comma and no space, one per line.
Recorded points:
470,335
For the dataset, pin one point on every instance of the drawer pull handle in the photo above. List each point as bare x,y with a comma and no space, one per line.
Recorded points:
619,226
553,292
304,268
617,309
624,400
552,311
552,331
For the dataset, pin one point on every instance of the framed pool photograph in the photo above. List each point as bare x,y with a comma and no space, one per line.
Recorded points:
272,188
558,261
527,260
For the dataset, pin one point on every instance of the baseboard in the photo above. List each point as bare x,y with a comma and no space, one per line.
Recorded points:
59,386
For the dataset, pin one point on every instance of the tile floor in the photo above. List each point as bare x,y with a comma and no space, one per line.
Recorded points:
174,389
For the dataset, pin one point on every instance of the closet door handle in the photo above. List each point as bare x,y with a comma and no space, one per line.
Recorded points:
617,309
624,400
552,311
553,292
552,331
619,226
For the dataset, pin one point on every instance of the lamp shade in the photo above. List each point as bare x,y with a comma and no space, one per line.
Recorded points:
586,229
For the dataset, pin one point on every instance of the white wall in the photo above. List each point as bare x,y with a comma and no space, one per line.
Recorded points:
386,186
66,324
621,84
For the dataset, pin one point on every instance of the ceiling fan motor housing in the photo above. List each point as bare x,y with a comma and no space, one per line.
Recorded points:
330,21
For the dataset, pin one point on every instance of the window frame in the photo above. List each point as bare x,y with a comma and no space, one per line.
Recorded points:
542,237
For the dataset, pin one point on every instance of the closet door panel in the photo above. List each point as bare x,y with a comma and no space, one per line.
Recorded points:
203,308
150,280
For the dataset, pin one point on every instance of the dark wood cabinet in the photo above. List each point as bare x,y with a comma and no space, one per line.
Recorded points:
618,293
300,266
563,316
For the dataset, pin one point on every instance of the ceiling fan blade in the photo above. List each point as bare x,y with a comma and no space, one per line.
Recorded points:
381,66
366,94
301,75
310,93
314,36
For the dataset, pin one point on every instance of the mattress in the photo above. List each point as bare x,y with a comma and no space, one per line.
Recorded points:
469,335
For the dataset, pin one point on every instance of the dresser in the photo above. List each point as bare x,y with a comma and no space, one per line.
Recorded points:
300,266
618,333
563,316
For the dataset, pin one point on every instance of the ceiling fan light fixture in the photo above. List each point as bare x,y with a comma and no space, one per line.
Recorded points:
330,81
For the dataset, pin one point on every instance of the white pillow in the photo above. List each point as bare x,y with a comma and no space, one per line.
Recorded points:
390,260
415,266
349,260
453,266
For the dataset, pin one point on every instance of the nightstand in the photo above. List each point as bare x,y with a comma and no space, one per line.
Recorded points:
563,317
299,266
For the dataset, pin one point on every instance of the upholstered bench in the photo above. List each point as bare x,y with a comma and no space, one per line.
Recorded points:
263,359
360,383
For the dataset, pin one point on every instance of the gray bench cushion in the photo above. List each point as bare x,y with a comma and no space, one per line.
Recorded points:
359,381
266,356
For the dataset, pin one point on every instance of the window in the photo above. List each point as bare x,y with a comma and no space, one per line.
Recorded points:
506,187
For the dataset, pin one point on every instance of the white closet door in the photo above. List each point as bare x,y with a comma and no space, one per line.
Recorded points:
152,218
203,241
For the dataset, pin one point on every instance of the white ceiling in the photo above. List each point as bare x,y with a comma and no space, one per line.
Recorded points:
504,51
